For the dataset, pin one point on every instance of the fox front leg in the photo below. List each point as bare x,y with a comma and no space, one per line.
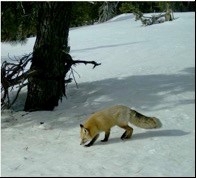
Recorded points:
92,141
107,133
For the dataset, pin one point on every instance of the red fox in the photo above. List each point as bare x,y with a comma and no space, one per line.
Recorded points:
104,120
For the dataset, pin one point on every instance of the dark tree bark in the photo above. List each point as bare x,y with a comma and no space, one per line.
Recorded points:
47,87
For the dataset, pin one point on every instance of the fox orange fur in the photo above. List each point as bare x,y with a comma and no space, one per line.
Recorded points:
104,120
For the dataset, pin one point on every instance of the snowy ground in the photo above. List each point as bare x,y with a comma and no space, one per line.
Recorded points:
151,69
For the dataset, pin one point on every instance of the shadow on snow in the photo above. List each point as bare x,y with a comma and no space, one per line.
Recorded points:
146,135
148,92
143,92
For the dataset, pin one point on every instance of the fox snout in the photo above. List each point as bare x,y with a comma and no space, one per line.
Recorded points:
83,141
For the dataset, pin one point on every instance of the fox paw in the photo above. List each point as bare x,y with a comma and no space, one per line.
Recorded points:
87,145
123,136
104,140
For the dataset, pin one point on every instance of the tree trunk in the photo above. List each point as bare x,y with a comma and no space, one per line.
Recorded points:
47,87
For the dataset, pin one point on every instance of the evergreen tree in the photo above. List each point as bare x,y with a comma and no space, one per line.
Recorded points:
17,21
107,10
84,13
49,59
148,7
49,21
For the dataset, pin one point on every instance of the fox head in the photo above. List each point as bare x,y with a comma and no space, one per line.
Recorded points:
84,134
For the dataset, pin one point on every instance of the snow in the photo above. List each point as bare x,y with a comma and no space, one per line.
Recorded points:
150,69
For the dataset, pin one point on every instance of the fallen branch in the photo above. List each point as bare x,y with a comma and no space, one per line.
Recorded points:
154,19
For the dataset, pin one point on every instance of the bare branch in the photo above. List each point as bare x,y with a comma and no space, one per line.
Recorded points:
74,78
20,87
87,62
13,74
73,62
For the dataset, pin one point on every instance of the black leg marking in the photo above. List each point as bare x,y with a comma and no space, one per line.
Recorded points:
128,132
92,141
106,137
123,135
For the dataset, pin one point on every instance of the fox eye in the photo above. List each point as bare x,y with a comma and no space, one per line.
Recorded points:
85,130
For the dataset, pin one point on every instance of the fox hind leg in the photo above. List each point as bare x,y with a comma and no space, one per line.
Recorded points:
128,133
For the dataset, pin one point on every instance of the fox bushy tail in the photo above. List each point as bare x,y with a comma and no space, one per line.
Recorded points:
143,121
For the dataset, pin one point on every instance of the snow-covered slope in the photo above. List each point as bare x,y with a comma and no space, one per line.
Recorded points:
151,69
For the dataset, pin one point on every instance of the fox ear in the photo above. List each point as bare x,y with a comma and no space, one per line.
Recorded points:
84,129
